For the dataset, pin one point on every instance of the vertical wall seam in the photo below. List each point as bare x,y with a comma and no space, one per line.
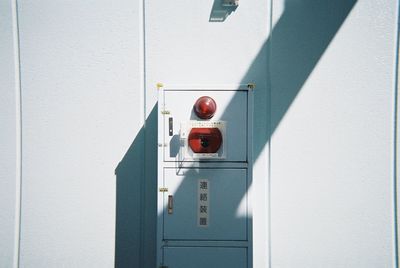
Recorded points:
142,62
18,131
395,140
269,129
142,23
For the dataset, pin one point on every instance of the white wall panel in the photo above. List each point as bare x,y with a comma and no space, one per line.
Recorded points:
332,181
89,165
81,106
184,47
9,137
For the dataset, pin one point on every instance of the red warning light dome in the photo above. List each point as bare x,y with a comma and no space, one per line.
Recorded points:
205,107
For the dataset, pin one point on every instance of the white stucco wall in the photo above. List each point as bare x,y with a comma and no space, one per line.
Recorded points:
325,92
9,137
332,153
81,111
184,47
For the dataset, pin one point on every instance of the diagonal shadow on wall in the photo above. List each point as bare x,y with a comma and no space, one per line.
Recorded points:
293,49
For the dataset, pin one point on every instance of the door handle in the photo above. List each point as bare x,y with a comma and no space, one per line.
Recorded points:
170,204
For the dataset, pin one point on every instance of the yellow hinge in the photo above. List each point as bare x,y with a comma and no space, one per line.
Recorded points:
163,189
165,112
159,85
251,86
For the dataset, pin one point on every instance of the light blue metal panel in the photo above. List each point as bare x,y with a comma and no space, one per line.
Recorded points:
205,257
231,107
227,190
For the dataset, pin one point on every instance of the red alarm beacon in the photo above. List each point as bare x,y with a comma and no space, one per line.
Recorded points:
205,107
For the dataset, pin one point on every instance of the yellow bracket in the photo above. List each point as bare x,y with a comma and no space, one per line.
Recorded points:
251,86
159,85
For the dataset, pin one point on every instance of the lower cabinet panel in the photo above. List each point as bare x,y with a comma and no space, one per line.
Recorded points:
205,257
225,189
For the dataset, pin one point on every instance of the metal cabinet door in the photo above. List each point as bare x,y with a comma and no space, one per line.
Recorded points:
231,107
205,257
227,204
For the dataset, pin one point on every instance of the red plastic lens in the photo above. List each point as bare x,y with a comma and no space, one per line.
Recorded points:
205,107
205,140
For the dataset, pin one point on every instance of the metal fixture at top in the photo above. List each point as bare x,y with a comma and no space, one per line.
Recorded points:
230,3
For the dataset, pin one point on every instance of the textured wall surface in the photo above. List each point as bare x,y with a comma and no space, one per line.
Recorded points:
9,150
80,112
332,180
323,123
184,47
